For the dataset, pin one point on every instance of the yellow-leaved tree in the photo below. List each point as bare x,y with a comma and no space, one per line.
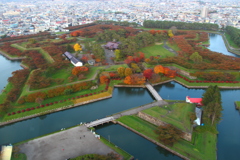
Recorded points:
77,47
170,34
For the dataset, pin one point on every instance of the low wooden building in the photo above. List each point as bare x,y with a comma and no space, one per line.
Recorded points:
72,59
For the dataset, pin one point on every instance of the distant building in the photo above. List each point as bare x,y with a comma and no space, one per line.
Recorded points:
204,12
112,45
74,60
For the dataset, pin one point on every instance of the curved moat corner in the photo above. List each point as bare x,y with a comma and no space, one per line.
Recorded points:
140,148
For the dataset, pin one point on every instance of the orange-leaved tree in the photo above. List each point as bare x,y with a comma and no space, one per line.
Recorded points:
77,70
104,79
159,69
171,74
135,79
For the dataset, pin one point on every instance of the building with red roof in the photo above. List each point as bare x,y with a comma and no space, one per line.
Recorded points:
197,101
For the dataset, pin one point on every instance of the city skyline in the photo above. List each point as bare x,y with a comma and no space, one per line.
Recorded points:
25,16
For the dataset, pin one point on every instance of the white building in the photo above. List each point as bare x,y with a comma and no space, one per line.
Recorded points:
204,12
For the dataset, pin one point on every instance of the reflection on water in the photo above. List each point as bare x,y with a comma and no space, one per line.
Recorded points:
217,45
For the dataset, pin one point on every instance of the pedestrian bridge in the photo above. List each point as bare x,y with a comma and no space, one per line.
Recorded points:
154,92
100,121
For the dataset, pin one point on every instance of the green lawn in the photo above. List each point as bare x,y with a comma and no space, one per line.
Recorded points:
20,156
176,114
203,145
156,50
139,125
206,42
173,46
5,91
46,55
62,73
230,41
114,68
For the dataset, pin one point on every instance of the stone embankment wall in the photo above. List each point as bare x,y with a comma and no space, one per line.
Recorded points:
130,86
157,143
187,136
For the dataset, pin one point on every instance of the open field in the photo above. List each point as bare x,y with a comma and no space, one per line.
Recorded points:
156,50
176,114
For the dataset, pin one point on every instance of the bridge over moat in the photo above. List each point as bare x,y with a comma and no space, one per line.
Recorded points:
125,113
100,121
159,102
153,92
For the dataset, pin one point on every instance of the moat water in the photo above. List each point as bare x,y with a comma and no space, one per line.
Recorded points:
126,98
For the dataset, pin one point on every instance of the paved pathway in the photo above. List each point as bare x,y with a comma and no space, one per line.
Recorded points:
138,109
168,48
64,144
109,54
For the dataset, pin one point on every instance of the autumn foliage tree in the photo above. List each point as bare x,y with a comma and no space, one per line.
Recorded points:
33,96
77,47
137,79
121,71
128,72
77,70
148,73
159,69
168,134
104,79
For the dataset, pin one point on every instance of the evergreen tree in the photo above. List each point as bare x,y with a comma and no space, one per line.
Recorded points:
70,48
208,95
212,104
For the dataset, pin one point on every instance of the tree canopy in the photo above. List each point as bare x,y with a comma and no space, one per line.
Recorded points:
168,134
212,105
